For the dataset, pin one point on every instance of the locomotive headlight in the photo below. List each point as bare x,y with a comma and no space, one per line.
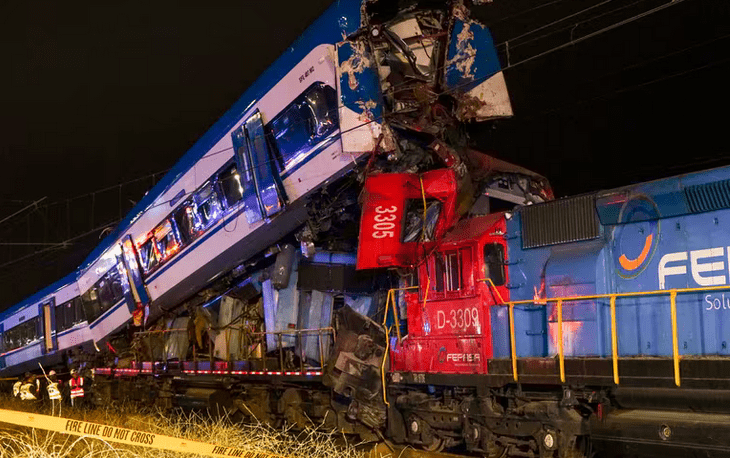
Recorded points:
548,440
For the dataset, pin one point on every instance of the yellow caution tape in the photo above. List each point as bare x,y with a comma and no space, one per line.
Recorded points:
124,435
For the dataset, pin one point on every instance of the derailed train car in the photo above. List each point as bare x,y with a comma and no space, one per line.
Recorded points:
368,86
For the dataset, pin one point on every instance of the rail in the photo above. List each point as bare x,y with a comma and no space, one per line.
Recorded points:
614,331
259,338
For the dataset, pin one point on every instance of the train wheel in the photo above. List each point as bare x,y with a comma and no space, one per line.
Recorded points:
436,445
496,451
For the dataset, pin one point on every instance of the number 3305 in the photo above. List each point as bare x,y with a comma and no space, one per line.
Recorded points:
384,225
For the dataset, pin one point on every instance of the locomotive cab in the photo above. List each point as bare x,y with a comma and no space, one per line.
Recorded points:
461,284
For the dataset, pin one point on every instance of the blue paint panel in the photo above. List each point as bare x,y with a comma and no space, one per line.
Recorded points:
359,88
472,60
576,271
626,259
341,18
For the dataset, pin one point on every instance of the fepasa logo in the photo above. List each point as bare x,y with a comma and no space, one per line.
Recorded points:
445,357
635,243
707,266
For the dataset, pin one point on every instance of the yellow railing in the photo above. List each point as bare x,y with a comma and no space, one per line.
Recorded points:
390,304
614,332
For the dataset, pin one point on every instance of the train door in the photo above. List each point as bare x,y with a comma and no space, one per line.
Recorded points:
131,266
262,193
47,310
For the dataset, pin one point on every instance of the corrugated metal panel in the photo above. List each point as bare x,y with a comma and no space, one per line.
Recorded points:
708,197
559,221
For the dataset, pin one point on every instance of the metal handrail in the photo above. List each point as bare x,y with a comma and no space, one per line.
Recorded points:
614,332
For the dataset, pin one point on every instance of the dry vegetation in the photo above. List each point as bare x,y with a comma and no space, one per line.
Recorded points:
20,442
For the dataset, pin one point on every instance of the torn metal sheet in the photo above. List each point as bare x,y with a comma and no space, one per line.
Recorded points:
473,73
361,111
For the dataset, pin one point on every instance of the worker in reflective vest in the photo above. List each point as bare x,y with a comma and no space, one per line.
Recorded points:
29,388
54,393
16,387
76,385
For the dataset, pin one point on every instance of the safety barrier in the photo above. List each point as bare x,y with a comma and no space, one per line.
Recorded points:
116,434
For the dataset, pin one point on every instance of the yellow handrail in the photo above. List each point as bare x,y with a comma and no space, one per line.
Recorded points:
614,340
675,345
561,356
614,330
513,343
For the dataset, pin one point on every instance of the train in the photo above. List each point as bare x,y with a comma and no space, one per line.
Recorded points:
333,254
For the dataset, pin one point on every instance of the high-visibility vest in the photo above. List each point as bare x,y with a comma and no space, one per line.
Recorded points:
16,388
77,390
25,393
53,391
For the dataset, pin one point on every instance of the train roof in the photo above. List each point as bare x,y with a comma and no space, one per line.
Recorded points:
48,290
471,228
341,19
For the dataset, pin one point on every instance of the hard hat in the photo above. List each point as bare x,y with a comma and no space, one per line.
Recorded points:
73,371
52,372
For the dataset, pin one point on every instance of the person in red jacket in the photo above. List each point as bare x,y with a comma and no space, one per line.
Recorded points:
76,388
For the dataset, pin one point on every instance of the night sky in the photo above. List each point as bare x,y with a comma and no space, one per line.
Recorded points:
95,95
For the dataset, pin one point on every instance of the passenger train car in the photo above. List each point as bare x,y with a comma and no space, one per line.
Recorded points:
344,93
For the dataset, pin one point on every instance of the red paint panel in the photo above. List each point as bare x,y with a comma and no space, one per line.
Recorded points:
447,355
383,212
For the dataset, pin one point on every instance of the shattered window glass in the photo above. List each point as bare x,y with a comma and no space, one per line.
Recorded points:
414,229
308,120
148,255
167,239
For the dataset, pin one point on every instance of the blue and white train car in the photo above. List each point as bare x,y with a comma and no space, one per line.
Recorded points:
43,327
308,120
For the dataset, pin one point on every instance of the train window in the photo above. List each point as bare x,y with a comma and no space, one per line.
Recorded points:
69,314
90,300
453,271
208,207
22,334
185,219
148,255
494,263
413,227
103,295
308,120
439,269
166,236
230,183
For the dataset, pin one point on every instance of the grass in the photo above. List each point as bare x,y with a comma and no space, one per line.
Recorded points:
23,442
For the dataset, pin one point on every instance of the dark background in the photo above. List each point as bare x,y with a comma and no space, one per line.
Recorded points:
97,101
